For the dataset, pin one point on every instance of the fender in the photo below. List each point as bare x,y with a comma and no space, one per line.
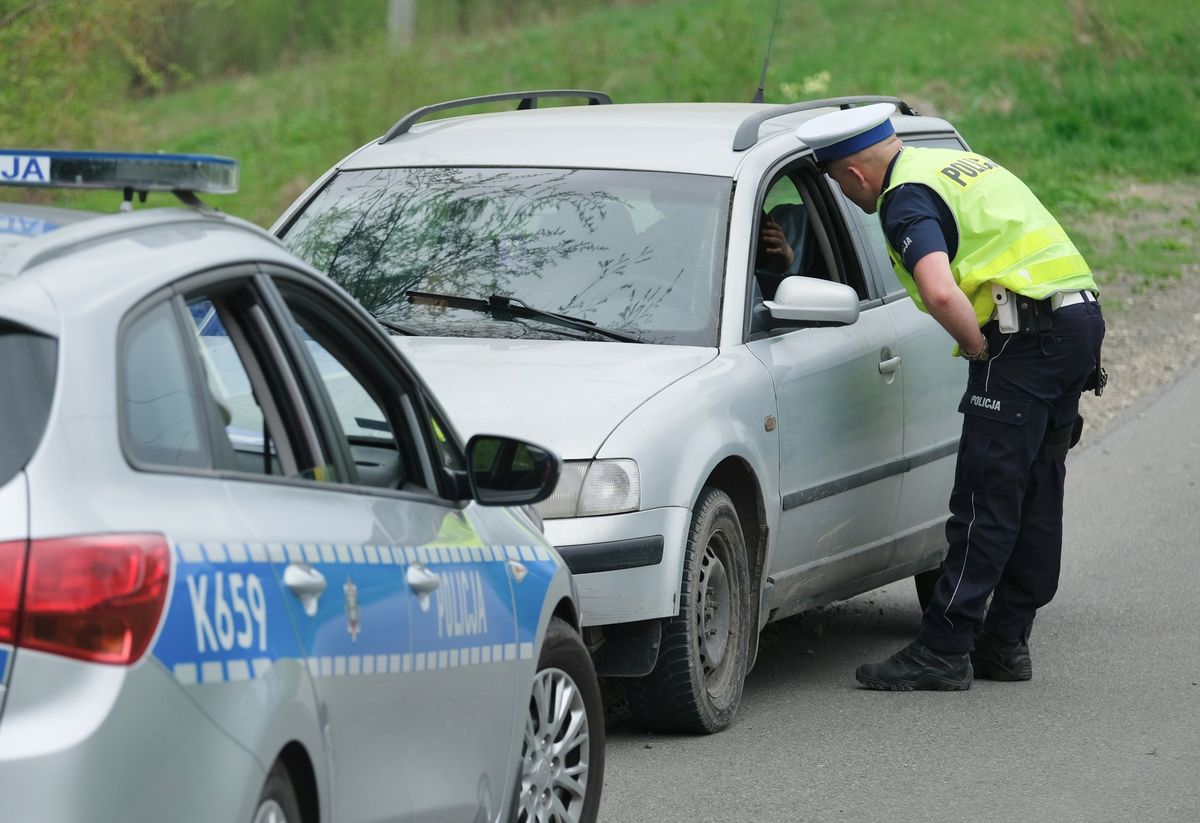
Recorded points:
680,435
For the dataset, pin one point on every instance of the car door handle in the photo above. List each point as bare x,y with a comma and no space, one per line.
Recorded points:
306,583
420,579
890,365
518,569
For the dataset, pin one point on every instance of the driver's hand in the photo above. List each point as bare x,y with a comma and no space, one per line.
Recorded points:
775,243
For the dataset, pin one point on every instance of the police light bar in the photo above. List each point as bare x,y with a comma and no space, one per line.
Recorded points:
118,170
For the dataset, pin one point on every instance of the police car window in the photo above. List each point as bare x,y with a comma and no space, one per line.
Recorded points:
244,440
365,400
27,361
360,416
451,457
161,416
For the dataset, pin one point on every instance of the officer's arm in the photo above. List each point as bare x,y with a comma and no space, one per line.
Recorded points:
946,301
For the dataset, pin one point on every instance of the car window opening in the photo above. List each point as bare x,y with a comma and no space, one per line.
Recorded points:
244,441
367,420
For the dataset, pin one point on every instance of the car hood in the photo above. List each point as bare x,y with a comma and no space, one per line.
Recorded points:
566,395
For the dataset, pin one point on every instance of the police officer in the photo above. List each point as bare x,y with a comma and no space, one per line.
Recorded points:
978,251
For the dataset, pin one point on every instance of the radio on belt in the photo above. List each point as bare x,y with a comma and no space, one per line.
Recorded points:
1006,309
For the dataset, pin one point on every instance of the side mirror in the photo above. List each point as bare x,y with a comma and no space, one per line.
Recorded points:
805,301
507,472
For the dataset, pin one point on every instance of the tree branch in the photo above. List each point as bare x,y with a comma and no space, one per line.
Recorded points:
17,14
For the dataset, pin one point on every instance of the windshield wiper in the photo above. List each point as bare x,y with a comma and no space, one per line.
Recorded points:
503,307
396,327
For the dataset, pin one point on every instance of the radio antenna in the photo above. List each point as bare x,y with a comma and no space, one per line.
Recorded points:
762,81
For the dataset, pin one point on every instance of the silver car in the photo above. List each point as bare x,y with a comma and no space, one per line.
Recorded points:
247,571
755,417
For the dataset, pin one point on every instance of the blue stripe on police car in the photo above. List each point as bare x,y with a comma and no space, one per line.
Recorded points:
541,568
229,619
23,226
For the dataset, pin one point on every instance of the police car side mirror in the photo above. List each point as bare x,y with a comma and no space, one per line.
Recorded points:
806,301
503,471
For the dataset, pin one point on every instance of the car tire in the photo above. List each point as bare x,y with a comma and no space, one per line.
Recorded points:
278,803
924,582
696,684
562,756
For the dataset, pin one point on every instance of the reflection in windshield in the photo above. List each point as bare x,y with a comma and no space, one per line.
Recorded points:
638,252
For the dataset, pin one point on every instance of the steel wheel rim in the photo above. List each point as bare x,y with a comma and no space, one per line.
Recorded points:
556,751
713,613
270,811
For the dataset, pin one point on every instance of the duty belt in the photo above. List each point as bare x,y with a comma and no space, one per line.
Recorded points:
1033,316
1070,298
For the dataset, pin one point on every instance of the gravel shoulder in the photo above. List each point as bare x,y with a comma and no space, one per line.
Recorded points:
1153,329
1147,344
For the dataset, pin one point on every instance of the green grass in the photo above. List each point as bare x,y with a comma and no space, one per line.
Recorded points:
1147,243
1077,97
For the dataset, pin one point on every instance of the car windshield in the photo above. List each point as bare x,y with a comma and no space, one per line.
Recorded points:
635,252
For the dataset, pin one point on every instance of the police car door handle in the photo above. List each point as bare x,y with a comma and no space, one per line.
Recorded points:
306,583
889,365
420,579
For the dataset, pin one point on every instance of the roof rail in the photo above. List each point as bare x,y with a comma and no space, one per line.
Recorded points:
747,133
529,100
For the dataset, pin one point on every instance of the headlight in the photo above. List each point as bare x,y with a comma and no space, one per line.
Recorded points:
591,487
611,486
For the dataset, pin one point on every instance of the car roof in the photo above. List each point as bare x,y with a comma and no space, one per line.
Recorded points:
20,222
87,259
693,138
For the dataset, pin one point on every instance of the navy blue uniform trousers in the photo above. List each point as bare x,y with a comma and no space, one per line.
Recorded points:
1005,527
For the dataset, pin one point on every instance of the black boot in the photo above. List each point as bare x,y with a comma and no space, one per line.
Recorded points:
996,658
917,666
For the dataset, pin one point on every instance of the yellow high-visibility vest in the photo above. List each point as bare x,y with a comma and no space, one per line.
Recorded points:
1005,234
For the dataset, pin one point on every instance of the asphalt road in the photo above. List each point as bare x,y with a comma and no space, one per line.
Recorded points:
1108,729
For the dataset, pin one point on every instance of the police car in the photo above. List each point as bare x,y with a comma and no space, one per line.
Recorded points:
755,417
247,571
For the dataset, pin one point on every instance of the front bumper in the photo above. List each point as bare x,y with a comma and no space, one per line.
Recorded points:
626,567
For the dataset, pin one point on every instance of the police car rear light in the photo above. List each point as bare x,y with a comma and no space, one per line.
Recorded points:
95,598
12,573
200,173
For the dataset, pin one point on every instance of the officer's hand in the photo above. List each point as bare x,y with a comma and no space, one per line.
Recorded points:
979,355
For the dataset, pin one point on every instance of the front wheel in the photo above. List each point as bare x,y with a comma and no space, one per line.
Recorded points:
697,683
277,803
562,758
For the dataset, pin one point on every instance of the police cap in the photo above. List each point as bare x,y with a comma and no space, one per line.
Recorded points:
842,133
